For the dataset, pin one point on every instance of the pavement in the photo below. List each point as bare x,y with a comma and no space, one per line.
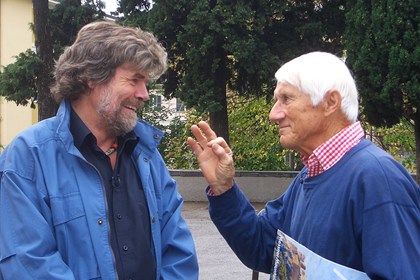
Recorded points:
215,258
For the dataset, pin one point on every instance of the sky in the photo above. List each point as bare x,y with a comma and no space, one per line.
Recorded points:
111,5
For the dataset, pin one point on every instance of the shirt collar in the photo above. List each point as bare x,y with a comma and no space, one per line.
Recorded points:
331,151
78,129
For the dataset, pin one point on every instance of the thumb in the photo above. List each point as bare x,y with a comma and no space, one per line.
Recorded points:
225,157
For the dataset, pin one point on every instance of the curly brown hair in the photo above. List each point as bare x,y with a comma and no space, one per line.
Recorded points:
101,47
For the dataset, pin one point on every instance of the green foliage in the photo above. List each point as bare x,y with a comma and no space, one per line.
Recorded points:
178,154
133,8
254,140
384,54
68,17
173,146
17,80
240,42
398,141
383,51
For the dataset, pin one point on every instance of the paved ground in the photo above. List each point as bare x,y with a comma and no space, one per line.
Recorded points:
215,258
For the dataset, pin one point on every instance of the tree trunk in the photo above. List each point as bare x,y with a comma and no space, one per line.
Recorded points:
417,139
219,119
219,122
47,107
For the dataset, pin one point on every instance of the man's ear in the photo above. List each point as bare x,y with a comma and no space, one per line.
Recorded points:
91,85
332,102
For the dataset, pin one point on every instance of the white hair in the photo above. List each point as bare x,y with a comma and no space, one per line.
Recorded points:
316,73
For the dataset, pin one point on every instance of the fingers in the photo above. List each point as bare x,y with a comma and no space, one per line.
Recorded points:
194,146
199,136
207,138
207,131
219,141
223,152
202,133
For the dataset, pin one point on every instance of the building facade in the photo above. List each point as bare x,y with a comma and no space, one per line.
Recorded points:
15,37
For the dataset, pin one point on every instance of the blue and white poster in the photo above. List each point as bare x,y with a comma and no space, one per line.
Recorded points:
293,261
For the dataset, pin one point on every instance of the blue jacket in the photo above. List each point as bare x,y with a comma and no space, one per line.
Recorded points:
53,211
363,212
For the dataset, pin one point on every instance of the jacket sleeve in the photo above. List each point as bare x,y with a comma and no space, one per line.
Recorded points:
250,235
179,259
27,245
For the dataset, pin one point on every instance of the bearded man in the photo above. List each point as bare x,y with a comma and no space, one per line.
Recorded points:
86,194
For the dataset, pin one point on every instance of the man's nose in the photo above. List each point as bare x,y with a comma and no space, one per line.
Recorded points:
276,114
142,92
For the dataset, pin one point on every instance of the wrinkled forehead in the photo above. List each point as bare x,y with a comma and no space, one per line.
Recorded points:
133,70
286,88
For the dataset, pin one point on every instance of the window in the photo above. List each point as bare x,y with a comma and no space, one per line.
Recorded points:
156,100
179,105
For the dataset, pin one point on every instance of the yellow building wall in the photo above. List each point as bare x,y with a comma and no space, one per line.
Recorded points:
15,37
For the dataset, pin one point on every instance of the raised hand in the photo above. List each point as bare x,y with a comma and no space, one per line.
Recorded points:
214,157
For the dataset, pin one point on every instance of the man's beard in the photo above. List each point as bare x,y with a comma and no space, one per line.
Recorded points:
116,122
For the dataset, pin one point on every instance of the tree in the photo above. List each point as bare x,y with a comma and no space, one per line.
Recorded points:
28,79
384,54
43,43
220,46
17,80
68,17
129,7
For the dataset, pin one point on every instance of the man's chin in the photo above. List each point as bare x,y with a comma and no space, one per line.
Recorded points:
284,143
130,126
124,127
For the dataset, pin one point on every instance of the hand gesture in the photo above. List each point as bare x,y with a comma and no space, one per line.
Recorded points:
214,157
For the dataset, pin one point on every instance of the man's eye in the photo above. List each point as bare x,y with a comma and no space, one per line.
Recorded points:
285,98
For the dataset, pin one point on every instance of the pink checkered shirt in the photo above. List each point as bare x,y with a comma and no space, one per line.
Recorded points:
330,152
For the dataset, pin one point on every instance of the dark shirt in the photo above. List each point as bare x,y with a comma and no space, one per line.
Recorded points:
128,213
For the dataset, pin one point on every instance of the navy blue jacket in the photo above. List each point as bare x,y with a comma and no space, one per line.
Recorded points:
363,212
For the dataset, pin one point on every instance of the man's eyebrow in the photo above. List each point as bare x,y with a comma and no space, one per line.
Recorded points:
138,76
277,93
132,76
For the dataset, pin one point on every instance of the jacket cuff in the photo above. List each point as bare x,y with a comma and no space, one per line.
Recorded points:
228,198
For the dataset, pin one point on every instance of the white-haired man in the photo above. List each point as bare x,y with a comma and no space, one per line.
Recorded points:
352,203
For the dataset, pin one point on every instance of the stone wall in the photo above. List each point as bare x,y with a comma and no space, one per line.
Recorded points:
258,186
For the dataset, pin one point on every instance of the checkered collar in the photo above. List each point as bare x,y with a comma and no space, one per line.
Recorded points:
331,151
